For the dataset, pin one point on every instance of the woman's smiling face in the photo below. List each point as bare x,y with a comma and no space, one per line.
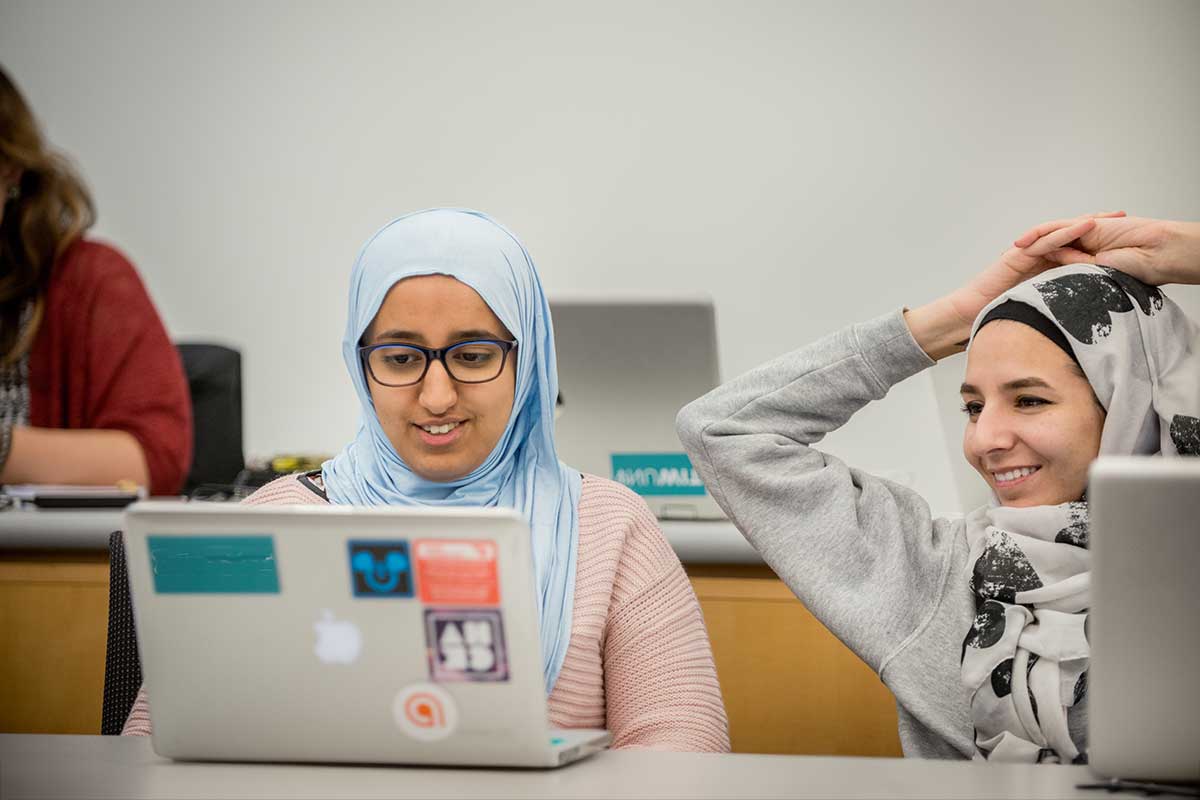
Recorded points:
1033,422
437,311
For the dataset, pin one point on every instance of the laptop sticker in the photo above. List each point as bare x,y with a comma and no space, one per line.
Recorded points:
380,568
425,712
466,644
457,572
339,641
657,474
213,564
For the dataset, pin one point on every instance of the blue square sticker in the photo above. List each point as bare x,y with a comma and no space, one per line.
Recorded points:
381,568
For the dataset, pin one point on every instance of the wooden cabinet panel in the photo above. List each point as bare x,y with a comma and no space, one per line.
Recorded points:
789,685
53,634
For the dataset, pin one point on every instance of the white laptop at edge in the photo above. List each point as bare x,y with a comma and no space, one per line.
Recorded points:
625,368
336,634
1144,624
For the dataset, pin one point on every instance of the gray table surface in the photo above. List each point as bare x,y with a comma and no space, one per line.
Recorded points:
78,529
35,766
695,542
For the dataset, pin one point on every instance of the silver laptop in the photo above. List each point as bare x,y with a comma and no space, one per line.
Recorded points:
335,634
1144,625
625,368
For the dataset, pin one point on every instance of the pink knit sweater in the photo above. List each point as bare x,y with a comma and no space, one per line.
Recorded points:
639,661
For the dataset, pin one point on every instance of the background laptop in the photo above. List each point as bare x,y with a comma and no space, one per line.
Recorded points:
339,634
625,368
1144,625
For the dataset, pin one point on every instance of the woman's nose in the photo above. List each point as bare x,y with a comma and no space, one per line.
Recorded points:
438,391
991,431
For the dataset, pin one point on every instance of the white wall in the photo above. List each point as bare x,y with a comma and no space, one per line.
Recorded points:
807,164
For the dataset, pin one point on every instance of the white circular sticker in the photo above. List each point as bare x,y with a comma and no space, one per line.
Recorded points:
425,711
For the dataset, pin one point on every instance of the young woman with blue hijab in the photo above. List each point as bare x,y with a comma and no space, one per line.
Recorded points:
450,349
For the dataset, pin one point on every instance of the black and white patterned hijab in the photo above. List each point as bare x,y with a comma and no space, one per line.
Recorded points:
1025,658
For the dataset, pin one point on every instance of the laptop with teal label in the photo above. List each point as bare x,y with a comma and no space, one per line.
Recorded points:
625,368
339,634
657,474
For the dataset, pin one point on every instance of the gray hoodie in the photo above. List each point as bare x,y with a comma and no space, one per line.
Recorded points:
862,553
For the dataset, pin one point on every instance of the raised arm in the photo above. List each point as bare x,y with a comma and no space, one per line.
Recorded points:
862,553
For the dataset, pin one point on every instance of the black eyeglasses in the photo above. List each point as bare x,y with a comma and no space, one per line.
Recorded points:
476,361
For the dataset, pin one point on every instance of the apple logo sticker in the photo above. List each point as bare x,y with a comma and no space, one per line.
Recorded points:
338,640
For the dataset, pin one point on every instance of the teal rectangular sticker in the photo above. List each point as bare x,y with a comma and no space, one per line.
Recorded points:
657,474
213,564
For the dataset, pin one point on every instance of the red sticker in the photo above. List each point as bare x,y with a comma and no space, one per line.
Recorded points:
457,572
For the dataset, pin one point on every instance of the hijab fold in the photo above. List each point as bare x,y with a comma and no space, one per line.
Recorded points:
523,471
1026,656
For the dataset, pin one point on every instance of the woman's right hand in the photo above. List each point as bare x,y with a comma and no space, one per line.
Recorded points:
1152,250
943,327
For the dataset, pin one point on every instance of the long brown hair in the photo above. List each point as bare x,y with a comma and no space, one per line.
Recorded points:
51,211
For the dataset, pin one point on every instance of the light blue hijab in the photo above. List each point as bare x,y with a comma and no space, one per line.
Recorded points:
523,471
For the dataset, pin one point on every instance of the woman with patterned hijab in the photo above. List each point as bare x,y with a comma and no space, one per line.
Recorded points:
977,625
450,349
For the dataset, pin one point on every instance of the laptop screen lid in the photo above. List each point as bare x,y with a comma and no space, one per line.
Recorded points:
1144,624
625,368
339,634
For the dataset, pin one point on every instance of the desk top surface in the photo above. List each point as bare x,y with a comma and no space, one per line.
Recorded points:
82,529
694,541
33,766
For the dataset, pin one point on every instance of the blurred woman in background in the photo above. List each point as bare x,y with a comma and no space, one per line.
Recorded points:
91,389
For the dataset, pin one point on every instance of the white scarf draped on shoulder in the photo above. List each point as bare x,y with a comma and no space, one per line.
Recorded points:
1025,658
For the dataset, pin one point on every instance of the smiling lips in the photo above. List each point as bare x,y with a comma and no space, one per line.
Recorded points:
441,434
1011,477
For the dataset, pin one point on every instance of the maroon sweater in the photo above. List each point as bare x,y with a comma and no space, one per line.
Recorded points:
102,359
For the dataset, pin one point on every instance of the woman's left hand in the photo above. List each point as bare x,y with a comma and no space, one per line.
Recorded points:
1039,249
943,326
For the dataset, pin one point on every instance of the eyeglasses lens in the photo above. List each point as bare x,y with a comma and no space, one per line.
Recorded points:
470,362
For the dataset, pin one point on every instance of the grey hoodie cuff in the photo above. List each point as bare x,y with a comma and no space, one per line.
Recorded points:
889,349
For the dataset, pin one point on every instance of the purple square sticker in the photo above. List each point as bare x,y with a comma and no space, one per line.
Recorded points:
466,644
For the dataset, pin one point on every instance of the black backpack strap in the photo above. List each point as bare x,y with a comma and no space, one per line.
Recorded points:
122,667
313,482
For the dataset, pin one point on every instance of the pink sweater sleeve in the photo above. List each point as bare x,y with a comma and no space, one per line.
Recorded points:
661,685
138,721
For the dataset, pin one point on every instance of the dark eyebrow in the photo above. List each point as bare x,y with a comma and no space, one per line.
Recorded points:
1026,383
408,336
1020,383
457,336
